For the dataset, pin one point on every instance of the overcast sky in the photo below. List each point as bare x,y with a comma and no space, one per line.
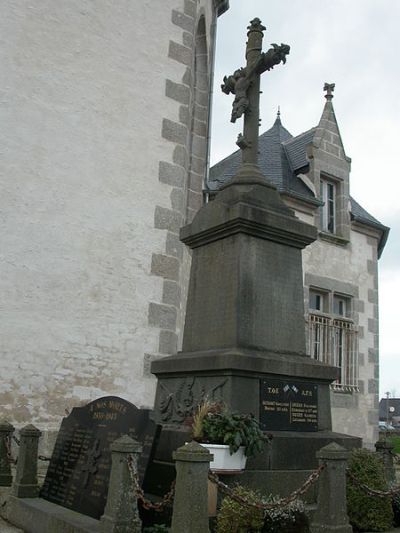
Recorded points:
354,44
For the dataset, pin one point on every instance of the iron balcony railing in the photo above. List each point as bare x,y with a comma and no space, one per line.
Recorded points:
335,341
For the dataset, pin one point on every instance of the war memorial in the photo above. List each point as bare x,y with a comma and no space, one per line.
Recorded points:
244,339
244,345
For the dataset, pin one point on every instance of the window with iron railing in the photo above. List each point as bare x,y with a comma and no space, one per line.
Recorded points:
335,342
333,338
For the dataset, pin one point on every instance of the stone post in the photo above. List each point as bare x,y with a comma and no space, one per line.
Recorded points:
121,513
26,482
331,514
6,430
385,449
190,511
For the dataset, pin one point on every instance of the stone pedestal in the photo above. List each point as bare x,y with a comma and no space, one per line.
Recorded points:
6,430
190,511
331,514
245,310
121,513
385,450
245,325
26,481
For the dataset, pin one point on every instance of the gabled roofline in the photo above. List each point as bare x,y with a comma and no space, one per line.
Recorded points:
384,230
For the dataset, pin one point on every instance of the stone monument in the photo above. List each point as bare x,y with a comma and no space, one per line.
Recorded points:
244,336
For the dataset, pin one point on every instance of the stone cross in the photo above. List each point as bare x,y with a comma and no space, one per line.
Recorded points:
244,83
329,88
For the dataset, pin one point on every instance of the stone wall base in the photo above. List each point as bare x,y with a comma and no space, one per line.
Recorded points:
35,515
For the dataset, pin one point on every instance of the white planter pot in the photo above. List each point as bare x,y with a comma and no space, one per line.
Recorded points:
223,460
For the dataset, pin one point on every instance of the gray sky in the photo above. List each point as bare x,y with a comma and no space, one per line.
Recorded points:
352,43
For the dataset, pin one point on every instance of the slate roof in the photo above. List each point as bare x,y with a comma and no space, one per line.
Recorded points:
295,149
281,158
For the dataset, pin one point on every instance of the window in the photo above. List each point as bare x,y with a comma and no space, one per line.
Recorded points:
341,305
317,300
333,338
328,210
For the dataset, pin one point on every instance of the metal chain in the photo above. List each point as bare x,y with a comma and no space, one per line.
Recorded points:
396,457
147,504
373,492
282,502
7,443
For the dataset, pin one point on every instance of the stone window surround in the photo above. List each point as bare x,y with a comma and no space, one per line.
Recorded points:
342,219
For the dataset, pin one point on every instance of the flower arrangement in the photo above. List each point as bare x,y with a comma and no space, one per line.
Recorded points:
213,424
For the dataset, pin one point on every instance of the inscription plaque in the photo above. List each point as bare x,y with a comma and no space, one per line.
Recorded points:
288,405
79,470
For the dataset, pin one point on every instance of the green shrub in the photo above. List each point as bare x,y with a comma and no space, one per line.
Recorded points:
395,441
396,510
368,513
289,519
234,517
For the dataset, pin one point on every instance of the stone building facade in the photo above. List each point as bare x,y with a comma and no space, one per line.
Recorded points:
106,107
312,173
104,155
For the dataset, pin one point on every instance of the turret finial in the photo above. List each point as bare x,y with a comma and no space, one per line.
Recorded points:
329,88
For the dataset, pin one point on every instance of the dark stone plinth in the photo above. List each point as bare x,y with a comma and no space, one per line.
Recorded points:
290,450
284,450
233,377
284,464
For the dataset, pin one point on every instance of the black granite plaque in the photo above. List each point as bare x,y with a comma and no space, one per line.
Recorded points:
288,405
79,470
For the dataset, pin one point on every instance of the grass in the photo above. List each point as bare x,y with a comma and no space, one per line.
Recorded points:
395,440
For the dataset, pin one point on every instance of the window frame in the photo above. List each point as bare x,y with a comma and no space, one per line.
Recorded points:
329,209
333,337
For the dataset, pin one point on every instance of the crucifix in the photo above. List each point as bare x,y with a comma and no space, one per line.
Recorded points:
244,83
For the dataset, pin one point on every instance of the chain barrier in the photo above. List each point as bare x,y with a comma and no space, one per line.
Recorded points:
282,502
396,457
7,444
373,492
147,504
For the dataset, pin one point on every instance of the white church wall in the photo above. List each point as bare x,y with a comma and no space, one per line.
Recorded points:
90,218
